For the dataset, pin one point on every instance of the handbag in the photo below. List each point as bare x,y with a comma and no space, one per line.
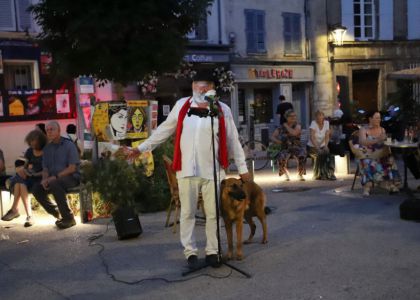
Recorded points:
337,148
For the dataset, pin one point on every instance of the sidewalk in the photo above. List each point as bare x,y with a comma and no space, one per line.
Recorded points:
326,242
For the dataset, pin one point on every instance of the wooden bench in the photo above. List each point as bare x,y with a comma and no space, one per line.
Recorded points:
85,200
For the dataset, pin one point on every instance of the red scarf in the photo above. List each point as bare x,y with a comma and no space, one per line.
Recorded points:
223,153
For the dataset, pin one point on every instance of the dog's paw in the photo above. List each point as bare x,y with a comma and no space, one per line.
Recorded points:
264,241
249,241
239,256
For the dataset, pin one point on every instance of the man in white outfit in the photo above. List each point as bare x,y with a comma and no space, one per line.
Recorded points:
193,161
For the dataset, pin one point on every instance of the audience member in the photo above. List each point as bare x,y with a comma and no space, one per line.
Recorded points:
41,126
60,172
287,136
318,148
28,173
282,108
380,166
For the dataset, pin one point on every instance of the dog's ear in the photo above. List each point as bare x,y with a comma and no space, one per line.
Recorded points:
222,184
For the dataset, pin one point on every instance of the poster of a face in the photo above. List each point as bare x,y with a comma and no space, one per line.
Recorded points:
62,103
118,120
100,120
33,104
48,103
137,119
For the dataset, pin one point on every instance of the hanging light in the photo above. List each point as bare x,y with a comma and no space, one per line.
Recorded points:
337,33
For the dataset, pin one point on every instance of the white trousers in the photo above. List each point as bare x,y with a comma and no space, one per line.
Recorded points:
189,188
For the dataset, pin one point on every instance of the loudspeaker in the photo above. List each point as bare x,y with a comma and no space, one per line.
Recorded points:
410,210
127,223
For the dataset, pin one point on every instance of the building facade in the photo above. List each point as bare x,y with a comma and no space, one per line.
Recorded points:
269,58
382,36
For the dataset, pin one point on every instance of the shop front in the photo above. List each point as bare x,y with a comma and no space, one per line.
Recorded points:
256,97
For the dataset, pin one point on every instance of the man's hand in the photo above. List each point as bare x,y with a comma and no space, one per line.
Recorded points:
246,177
46,182
131,153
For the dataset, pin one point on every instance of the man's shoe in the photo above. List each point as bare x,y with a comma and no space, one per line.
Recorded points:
10,215
301,178
213,261
29,222
64,224
56,214
192,261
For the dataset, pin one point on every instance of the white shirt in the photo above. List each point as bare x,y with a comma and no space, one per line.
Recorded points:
196,148
319,133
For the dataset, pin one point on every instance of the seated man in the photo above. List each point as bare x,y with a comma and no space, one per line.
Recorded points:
60,172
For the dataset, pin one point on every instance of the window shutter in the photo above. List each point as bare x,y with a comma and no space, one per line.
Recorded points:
287,32
260,31
297,35
24,16
250,31
7,15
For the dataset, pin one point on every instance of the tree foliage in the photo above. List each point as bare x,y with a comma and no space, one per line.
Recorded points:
116,40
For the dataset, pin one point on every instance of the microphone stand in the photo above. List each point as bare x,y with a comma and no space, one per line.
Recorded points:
213,112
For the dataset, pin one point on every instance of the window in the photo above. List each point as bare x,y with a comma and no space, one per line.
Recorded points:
255,31
292,33
14,15
21,75
199,33
364,19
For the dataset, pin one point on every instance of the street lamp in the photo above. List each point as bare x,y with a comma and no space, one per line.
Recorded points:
337,33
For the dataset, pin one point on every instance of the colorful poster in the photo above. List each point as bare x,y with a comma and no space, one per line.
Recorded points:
62,103
137,119
1,106
16,107
33,102
48,101
86,85
100,120
84,100
117,113
46,60
86,116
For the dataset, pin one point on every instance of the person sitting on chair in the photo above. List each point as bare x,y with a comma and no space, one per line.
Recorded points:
60,171
28,173
318,148
287,136
193,161
376,168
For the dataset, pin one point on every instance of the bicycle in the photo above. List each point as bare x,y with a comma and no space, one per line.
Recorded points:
256,154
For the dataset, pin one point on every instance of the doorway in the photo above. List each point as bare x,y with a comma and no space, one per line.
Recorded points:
365,89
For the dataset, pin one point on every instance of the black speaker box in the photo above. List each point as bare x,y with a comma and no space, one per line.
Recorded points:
410,210
127,223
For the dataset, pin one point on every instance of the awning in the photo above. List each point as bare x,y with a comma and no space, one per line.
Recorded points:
406,74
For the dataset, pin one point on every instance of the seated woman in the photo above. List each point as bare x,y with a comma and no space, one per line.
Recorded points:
26,176
379,166
318,148
287,136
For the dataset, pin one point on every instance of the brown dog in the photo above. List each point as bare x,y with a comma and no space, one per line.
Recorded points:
241,200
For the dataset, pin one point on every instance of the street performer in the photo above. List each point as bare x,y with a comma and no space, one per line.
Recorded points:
193,161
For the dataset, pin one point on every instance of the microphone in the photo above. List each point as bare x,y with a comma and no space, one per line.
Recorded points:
210,97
